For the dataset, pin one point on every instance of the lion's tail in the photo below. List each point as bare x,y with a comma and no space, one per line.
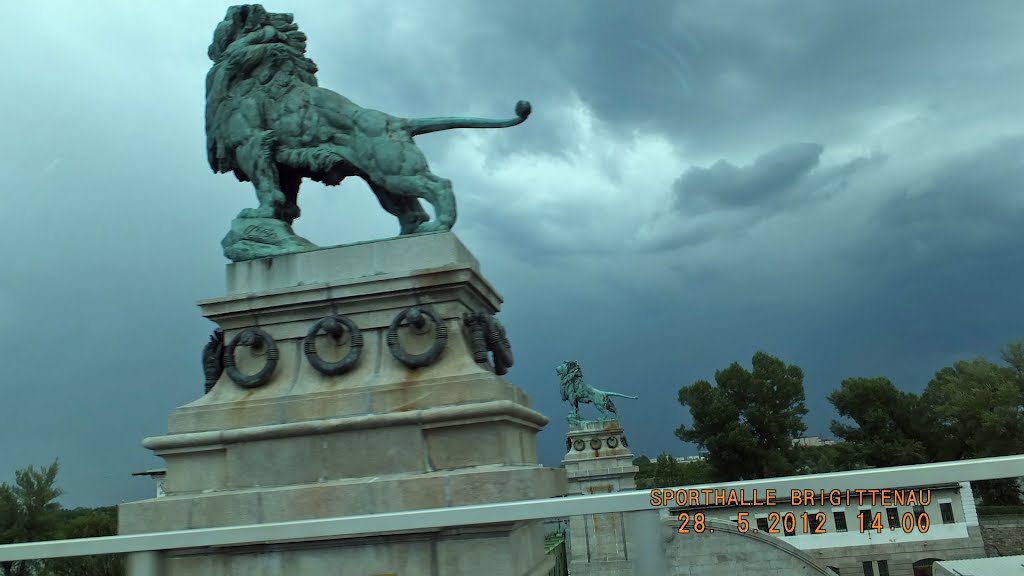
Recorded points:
418,126
621,395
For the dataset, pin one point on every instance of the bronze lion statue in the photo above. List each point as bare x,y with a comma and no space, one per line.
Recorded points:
269,123
576,391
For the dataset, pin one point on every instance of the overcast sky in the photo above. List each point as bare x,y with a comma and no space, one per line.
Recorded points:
835,183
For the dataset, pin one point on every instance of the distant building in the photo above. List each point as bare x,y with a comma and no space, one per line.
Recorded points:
813,441
688,459
159,476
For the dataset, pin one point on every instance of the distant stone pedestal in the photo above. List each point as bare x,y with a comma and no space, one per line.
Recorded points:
279,439
598,461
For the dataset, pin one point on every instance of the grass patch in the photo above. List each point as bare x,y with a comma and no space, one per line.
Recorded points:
1000,510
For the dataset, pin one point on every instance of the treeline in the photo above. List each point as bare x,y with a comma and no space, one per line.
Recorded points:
30,512
746,423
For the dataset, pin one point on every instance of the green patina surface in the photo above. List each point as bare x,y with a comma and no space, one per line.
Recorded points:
576,391
269,123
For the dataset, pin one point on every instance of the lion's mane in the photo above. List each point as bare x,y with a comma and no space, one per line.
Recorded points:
571,379
255,54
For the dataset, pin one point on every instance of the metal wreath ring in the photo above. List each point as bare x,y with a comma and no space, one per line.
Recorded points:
418,360
251,380
354,351
498,343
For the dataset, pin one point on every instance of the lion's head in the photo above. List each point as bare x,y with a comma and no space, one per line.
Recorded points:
277,36
254,54
243,20
569,371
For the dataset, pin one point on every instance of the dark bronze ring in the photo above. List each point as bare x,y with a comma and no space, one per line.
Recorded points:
613,442
334,326
578,445
417,360
595,444
260,378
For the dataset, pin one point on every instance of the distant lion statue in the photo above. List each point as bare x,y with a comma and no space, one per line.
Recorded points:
269,123
575,391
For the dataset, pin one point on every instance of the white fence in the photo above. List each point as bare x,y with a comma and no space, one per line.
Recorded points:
144,549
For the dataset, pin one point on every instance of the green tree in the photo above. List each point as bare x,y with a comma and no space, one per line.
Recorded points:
29,512
822,459
977,408
87,523
1013,355
695,472
972,409
976,405
645,474
667,472
747,422
888,427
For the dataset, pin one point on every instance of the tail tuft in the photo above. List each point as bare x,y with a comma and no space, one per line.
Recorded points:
523,109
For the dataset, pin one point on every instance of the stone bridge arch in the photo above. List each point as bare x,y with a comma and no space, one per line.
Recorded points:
924,566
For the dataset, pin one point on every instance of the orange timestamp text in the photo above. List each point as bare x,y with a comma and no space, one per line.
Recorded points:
745,498
792,523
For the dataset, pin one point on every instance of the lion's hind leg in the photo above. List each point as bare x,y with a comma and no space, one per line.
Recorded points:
408,210
601,403
256,159
435,190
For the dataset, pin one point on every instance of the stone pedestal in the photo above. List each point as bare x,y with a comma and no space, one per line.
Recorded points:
379,437
597,461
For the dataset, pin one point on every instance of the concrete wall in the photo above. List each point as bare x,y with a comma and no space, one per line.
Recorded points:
726,552
1005,566
900,557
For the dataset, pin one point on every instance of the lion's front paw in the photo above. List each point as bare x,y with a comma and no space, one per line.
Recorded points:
431,226
262,212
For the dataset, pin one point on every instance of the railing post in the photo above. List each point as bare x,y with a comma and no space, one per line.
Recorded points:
143,564
646,534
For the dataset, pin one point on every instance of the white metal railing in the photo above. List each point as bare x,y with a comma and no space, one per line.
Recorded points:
145,548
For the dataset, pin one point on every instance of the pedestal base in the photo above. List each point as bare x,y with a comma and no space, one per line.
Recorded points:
379,437
501,551
598,461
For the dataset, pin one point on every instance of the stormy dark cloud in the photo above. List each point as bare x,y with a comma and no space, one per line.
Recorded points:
770,177
836,184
